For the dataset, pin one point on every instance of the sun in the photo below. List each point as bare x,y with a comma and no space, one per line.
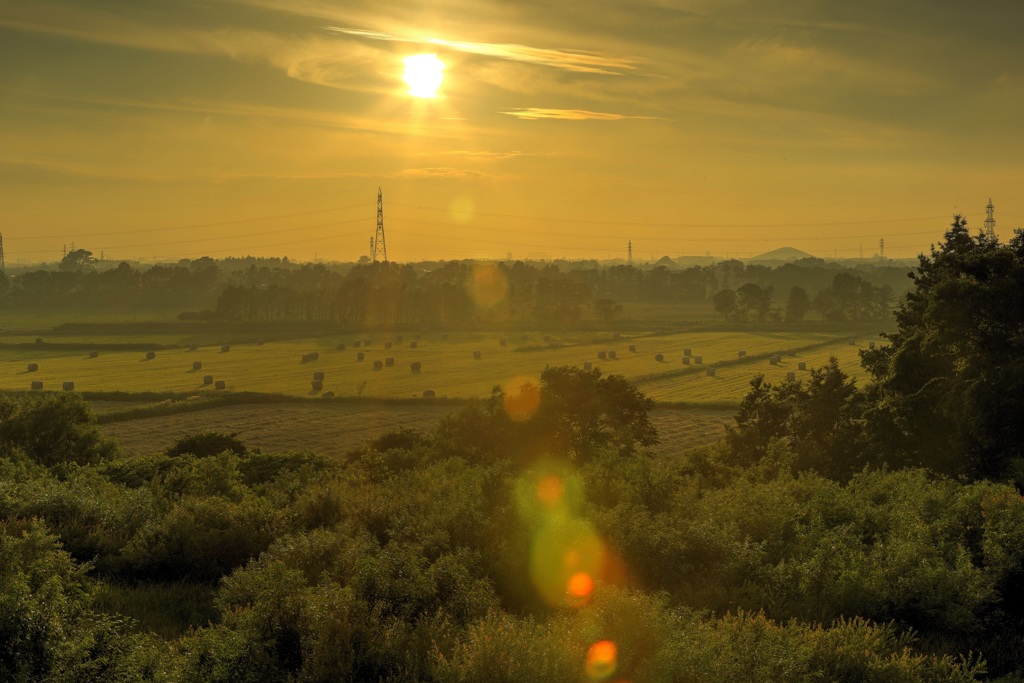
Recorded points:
424,74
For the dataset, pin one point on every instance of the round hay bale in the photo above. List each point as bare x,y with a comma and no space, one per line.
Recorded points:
687,352
33,367
852,343
790,376
378,365
697,360
659,357
602,354
428,393
871,345
389,362
314,355
613,355
318,375
387,344
150,355
366,341
742,353
197,365
94,354
341,346
69,386
415,367
686,360
207,379
37,386
360,355
791,353
632,348
224,348
318,385
587,365
801,365
220,384
773,360
476,355
710,372
413,344
356,344
327,394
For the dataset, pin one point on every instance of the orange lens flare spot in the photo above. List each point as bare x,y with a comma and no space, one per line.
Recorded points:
581,585
488,286
602,660
521,399
550,489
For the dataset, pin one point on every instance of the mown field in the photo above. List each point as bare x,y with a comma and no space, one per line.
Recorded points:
448,363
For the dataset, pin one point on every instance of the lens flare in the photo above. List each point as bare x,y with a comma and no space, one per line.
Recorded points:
602,660
563,549
488,286
581,585
521,399
550,490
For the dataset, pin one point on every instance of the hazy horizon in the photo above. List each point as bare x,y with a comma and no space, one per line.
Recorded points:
264,128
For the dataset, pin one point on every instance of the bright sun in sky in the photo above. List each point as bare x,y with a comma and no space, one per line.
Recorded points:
423,73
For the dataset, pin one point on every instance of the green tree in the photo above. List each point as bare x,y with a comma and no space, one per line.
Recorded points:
797,304
950,384
52,429
725,303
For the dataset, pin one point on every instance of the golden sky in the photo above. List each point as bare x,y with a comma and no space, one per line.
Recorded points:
179,128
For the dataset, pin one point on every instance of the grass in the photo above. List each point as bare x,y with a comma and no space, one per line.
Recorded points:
448,365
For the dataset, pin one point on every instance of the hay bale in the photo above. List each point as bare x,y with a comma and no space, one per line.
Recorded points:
415,367
69,386
327,394
871,345
220,384
801,365
94,354
790,376
710,372
852,343
773,360
742,353
341,346
687,352
33,367
37,386
197,365
366,341
360,355
587,365
224,348
659,357
791,353
387,344
602,354
414,344
314,355
378,365
686,360
318,385
632,348
310,357
356,344
476,355
318,375
207,379
428,393
150,355
612,354
389,362
697,360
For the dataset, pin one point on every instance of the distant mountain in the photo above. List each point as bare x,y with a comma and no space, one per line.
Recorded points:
787,254
665,261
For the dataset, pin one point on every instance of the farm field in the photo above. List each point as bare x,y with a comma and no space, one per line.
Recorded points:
448,366
331,429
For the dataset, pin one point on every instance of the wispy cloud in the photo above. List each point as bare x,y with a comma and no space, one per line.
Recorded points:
568,60
536,113
449,173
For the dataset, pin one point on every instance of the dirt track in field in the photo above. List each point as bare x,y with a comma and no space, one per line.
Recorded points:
332,430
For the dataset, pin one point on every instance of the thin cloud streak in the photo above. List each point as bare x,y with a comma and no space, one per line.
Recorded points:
536,113
567,60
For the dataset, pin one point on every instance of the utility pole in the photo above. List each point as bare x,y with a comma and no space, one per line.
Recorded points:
629,258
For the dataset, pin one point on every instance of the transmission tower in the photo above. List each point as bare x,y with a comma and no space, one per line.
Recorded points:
379,246
990,221
881,247
630,252
3,268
